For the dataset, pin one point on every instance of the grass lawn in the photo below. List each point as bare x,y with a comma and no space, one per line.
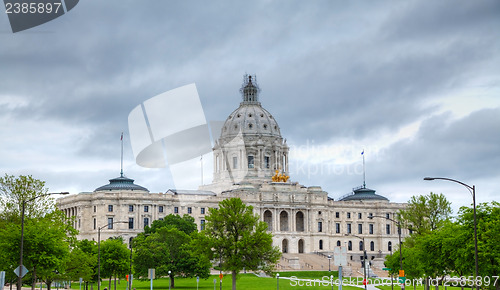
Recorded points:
244,282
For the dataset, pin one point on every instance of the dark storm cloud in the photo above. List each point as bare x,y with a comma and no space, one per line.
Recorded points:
328,70
466,148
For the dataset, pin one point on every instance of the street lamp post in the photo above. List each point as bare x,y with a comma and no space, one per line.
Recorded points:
99,251
365,282
398,223
472,190
130,272
20,278
329,260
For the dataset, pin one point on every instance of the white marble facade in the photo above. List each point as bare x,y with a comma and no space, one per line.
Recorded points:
246,156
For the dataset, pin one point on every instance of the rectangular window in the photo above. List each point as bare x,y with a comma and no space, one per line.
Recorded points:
95,224
146,208
110,208
267,164
160,208
94,208
360,228
320,227
190,210
202,224
387,215
337,228
250,161
337,215
130,223
371,229
110,223
360,215
202,210
348,215
79,223
348,228
176,209
388,229
130,208
146,222
235,162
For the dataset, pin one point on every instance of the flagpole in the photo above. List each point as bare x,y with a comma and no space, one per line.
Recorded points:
201,161
364,175
121,159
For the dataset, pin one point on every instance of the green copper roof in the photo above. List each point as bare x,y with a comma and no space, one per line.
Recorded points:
121,183
363,193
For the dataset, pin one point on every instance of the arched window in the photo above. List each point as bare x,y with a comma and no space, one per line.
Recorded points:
283,221
372,246
389,246
268,219
338,243
299,222
301,246
284,246
361,245
349,246
321,244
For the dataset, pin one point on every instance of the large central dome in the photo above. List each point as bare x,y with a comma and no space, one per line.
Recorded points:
250,118
250,147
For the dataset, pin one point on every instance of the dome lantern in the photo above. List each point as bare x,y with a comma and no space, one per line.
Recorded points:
250,90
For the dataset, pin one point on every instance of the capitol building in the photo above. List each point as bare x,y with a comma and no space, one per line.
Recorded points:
251,161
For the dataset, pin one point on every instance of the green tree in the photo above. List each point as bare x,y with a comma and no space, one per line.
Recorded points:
169,249
82,262
185,224
115,259
15,190
47,232
488,231
425,213
235,236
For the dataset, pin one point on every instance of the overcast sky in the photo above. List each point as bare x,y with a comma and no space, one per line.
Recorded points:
415,84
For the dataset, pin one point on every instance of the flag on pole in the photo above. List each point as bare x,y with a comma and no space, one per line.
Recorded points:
363,152
121,138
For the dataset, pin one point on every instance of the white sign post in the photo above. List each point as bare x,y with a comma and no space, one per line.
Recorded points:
151,275
340,259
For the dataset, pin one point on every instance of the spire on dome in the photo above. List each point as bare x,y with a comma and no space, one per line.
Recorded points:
250,90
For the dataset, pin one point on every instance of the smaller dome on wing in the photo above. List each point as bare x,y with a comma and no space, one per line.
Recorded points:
121,183
363,193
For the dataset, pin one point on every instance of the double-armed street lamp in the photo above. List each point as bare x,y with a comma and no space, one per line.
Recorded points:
472,190
398,223
99,250
365,281
20,278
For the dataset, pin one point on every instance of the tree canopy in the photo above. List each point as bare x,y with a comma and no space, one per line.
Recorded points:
185,224
234,236
441,246
169,245
47,232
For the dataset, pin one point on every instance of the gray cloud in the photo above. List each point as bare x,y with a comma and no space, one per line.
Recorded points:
328,70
